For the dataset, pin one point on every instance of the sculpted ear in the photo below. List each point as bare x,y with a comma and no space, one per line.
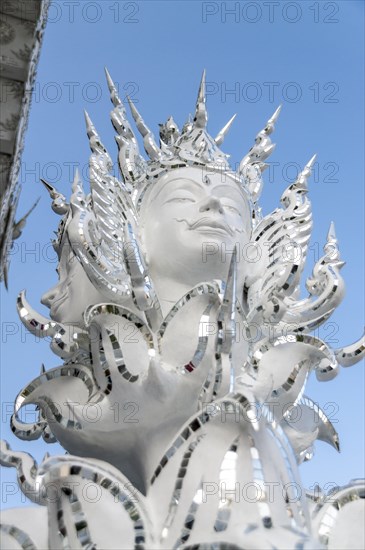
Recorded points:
142,242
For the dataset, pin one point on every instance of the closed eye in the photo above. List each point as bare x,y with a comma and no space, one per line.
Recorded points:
180,199
232,209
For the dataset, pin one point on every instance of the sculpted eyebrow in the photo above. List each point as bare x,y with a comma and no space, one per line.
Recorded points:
231,193
174,180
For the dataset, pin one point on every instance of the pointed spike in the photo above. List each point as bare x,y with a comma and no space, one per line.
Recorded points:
331,235
270,125
169,132
201,116
59,204
311,162
149,142
90,128
223,132
305,173
275,116
112,89
92,133
87,118
201,94
49,187
78,194
261,150
46,457
77,183
137,118
331,248
95,142
109,80
172,124
133,108
188,125
43,368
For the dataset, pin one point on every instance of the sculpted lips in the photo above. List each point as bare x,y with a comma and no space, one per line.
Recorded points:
57,303
211,225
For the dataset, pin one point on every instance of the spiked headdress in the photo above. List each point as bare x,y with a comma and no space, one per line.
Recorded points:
190,146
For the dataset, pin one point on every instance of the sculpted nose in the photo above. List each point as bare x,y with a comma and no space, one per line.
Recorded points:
48,297
211,203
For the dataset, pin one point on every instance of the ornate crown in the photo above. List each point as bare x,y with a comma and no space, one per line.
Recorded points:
188,147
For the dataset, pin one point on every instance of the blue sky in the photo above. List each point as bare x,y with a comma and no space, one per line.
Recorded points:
306,55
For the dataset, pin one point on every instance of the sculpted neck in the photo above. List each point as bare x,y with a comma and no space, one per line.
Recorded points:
170,291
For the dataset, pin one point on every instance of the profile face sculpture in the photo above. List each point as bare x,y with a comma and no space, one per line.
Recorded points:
174,347
73,293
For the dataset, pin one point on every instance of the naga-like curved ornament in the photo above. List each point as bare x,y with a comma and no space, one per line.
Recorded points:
26,468
66,341
349,355
326,284
36,393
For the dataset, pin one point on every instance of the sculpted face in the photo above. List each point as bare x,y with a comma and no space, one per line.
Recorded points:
191,221
73,293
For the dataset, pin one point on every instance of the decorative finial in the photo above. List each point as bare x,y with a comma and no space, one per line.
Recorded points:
224,131
149,142
270,127
113,90
252,165
310,163
95,142
188,126
331,249
77,200
131,163
302,179
169,131
331,235
59,204
90,128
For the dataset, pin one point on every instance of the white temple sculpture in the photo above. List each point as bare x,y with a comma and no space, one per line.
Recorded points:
185,349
